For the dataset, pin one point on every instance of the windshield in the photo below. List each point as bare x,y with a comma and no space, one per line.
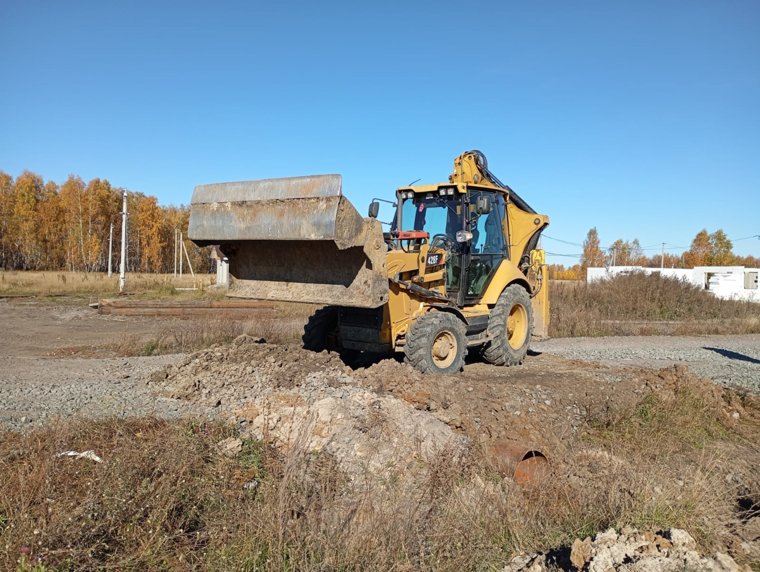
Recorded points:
433,213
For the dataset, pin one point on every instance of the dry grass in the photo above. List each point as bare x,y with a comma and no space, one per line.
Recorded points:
182,336
634,304
24,283
639,304
281,324
679,448
164,499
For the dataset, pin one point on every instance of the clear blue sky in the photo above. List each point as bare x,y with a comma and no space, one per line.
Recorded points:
639,117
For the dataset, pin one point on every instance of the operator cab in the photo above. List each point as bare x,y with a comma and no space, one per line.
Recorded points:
467,222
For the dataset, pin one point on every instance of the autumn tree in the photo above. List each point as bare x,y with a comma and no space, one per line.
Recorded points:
559,272
6,213
636,253
668,261
52,230
699,251
749,261
44,226
101,209
148,221
592,253
710,249
178,218
25,221
72,209
721,249
625,253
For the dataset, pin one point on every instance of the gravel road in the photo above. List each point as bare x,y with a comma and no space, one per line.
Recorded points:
727,360
34,390
36,386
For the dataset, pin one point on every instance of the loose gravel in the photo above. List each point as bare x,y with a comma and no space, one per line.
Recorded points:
34,391
728,360
35,387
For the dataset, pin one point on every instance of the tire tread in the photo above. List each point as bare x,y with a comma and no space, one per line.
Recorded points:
418,348
498,351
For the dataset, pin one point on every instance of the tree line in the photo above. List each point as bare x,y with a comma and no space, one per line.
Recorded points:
47,226
707,249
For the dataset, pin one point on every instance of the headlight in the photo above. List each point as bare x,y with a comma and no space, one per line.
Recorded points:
463,236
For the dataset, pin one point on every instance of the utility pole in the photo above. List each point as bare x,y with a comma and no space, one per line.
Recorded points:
110,252
662,257
187,256
181,243
123,263
176,230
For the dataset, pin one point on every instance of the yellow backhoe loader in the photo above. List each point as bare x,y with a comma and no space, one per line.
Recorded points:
458,268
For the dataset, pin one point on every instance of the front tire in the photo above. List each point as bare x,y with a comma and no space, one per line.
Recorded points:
436,343
510,327
321,331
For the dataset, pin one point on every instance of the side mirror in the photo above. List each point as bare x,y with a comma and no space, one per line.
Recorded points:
374,209
483,206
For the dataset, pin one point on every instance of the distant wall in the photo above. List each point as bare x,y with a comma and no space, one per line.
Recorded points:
727,282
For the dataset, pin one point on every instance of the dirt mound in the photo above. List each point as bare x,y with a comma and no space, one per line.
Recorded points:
295,398
388,374
670,380
678,382
246,364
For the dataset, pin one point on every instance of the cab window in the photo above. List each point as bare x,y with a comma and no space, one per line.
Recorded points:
487,228
435,214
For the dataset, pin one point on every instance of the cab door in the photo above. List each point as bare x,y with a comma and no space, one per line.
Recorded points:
488,246
441,215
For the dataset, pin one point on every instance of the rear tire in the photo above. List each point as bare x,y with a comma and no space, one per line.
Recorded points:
436,343
321,331
511,327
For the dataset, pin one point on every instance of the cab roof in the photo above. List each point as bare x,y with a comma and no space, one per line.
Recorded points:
459,187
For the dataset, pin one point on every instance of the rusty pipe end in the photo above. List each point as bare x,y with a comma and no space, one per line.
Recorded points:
526,466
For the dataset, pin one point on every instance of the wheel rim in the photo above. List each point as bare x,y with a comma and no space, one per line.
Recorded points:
517,326
444,350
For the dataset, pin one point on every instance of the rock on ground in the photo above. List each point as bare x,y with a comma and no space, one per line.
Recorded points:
672,550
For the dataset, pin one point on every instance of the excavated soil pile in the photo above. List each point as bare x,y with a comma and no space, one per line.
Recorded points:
289,395
295,398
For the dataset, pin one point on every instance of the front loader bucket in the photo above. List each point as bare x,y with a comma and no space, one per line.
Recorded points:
295,239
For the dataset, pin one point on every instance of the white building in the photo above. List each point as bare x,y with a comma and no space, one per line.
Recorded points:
727,282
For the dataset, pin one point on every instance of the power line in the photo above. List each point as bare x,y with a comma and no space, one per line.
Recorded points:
562,254
656,246
562,241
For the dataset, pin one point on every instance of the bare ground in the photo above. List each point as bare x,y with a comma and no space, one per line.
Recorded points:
62,361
